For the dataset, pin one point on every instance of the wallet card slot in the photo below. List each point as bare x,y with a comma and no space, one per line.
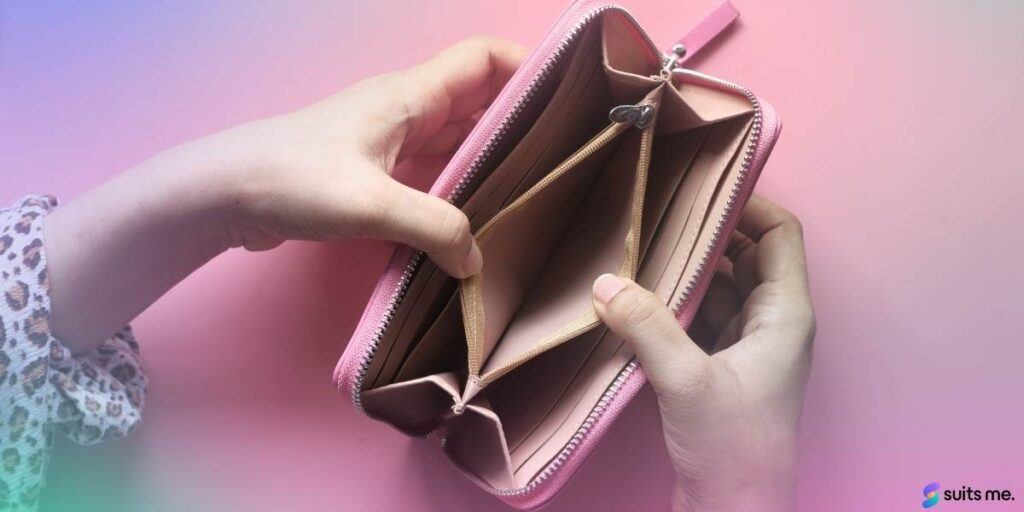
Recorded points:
673,158
408,321
683,206
429,305
442,348
715,159
715,208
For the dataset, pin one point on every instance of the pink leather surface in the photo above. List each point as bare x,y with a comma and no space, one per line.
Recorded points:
910,202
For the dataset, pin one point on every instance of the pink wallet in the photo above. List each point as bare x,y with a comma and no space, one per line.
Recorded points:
600,155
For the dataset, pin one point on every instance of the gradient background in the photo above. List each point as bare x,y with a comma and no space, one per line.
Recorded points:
900,153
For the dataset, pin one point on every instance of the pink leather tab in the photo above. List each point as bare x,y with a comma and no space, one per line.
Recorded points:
713,24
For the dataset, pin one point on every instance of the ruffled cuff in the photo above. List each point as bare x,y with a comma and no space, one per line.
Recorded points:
43,387
99,395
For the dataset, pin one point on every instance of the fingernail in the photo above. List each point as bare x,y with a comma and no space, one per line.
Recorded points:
607,287
475,260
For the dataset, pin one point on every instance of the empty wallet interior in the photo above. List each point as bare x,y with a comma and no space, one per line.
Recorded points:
609,167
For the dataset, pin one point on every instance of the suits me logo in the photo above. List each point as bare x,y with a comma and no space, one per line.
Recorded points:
931,494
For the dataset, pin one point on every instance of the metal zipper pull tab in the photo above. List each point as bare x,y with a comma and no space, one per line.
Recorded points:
670,61
473,387
639,115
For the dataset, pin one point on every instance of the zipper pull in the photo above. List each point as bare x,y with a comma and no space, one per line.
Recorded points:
639,115
473,386
670,61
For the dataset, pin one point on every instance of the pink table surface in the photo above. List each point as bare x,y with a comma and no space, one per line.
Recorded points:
900,152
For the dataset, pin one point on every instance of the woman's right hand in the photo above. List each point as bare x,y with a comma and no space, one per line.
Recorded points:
729,410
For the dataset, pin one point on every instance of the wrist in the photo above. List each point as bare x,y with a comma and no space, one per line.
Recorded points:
764,482
218,181
112,251
757,497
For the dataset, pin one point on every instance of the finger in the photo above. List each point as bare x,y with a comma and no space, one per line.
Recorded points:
778,310
729,335
702,334
464,107
722,302
675,365
476,70
742,252
738,244
448,138
780,242
458,82
425,222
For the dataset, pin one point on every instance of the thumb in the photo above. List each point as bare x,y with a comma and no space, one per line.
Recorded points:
429,224
675,365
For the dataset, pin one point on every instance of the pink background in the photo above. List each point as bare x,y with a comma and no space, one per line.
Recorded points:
900,152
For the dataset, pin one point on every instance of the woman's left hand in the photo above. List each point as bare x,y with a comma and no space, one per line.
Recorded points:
323,171
319,173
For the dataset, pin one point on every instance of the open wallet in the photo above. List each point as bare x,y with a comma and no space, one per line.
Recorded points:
601,155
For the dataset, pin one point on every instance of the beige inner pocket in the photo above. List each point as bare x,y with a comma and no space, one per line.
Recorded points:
542,251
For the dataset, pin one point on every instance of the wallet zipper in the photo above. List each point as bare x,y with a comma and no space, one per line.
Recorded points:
669,67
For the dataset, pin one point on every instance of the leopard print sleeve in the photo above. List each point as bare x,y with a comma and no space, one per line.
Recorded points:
43,387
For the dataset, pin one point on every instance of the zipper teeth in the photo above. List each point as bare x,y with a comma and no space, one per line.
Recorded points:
497,373
570,165
640,194
378,334
460,187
